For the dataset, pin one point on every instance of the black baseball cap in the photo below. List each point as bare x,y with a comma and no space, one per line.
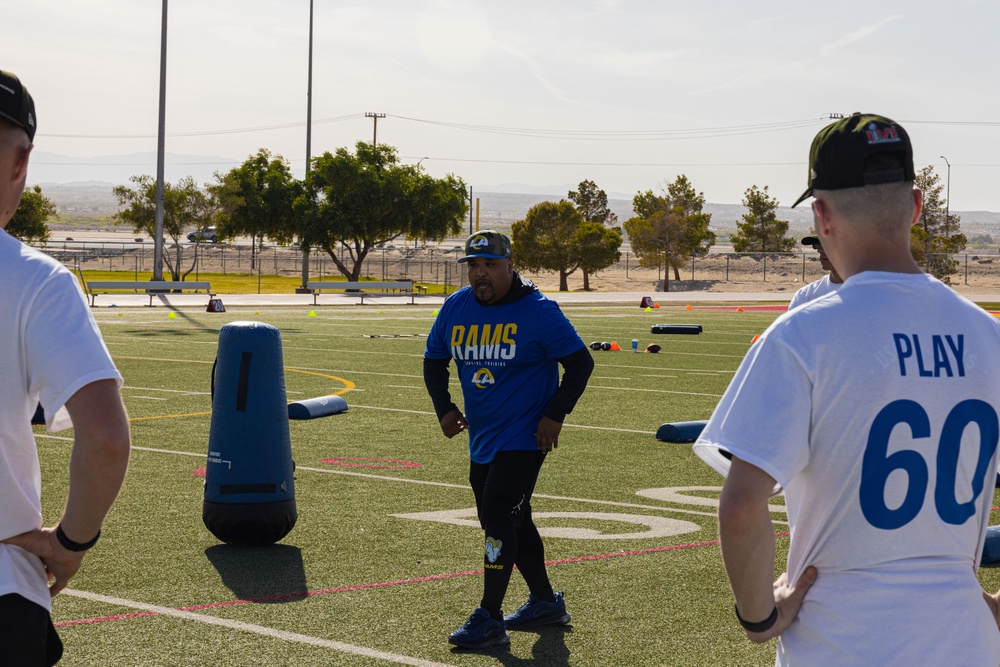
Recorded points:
838,154
487,244
16,104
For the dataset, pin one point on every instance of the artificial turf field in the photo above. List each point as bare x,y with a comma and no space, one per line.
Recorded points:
385,559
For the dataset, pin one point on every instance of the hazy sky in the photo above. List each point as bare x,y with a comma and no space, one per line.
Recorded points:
628,94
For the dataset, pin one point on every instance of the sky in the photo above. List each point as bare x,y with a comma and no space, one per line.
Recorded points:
519,96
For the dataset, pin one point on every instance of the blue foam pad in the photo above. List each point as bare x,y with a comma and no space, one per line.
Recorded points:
314,408
991,549
680,431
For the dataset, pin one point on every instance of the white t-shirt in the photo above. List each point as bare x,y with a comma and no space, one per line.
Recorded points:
874,408
813,290
50,347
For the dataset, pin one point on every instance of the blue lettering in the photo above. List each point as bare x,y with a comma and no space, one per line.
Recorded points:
900,340
958,350
940,357
947,355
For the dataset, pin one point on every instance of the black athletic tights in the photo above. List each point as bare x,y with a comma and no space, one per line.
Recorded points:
503,491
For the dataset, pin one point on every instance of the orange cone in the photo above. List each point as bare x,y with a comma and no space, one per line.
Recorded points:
615,347
687,307
656,305
740,309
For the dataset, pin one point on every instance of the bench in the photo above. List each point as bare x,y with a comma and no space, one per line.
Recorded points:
151,287
405,287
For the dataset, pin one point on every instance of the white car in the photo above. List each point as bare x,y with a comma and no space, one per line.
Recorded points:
204,235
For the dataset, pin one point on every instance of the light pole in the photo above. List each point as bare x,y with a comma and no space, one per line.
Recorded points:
947,201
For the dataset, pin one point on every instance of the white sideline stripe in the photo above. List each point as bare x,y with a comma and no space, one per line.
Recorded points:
283,635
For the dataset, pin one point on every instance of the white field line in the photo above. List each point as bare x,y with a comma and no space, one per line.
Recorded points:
283,635
447,485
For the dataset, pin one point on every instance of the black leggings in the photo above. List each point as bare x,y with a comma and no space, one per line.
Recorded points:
503,491
27,638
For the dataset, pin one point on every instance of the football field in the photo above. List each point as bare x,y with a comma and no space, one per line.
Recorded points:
385,559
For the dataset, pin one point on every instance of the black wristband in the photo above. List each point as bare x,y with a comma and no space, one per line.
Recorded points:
762,626
70,545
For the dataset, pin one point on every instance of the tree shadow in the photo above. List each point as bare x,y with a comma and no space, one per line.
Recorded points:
688,285
271,574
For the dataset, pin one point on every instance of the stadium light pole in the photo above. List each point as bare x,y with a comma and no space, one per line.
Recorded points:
160,150
309,95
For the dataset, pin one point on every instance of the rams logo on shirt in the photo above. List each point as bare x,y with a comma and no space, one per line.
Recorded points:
483,378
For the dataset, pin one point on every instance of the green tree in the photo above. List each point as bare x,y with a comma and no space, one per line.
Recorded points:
555,237
595,243
937,234
366,199
256,199
598,247
184,206
28,223
669,229
592,203
761,231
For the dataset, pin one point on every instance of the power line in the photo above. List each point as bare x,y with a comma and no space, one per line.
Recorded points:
205,133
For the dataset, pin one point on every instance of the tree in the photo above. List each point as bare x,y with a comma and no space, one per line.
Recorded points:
671,228
592,203
184,205
28,223
761,231
257,199
555,237
598,248
937,234
367,199
596,245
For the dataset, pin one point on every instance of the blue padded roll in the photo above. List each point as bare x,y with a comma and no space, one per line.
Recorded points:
249,486
991,548
314,408
680,431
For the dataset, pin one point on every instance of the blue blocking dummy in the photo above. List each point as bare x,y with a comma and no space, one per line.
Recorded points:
249,486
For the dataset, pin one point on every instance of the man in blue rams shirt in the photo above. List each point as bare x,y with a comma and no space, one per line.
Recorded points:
507,340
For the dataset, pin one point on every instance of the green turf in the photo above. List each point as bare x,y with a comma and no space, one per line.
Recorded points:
658,607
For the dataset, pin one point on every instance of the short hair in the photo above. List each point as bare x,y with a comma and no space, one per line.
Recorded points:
12,136
883,208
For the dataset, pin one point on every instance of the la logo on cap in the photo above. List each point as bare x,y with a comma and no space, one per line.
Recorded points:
479,242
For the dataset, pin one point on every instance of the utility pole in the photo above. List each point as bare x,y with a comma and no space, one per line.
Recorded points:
160,153
374,116
309,108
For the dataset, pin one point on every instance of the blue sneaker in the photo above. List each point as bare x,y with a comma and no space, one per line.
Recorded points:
537,612
480,631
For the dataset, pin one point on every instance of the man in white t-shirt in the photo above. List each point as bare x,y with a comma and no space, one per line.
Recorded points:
874,408
817,288
51,353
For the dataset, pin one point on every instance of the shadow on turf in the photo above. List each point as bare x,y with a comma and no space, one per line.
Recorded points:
261,574
549,650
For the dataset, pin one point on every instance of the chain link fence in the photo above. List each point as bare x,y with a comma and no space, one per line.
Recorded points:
437,265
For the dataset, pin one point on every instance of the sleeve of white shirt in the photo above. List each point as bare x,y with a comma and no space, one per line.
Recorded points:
764,415
64,348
